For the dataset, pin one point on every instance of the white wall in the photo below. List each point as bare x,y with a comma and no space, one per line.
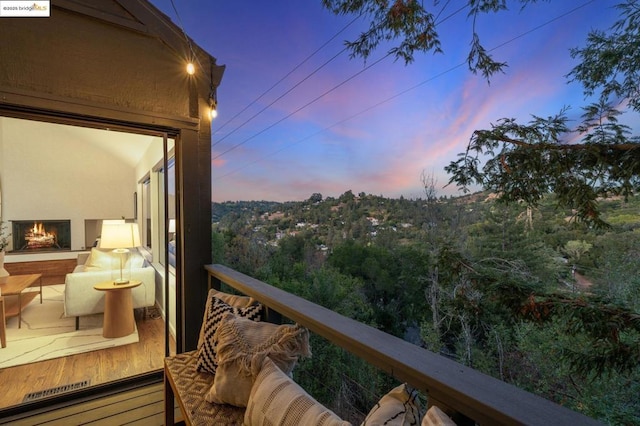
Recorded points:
53,172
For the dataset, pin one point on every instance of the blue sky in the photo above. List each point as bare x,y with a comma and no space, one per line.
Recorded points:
371,126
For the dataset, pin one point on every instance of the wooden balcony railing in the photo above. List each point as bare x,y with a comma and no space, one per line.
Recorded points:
448,384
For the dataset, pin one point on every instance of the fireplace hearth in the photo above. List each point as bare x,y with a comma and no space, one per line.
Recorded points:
41,235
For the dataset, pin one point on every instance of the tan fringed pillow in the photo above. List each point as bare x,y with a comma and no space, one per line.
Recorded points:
275,399
242,346
399,407
218,305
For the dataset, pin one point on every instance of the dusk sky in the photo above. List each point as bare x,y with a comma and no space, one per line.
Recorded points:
371,126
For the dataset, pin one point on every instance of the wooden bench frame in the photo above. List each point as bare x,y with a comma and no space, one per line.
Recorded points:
459,390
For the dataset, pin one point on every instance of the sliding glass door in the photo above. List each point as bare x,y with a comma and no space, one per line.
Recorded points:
70,179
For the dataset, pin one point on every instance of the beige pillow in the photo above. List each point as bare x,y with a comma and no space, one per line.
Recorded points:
242,346
105,259
275,399
101,259
399,407
215,309
436,417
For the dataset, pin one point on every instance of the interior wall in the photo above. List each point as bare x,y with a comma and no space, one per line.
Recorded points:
50,172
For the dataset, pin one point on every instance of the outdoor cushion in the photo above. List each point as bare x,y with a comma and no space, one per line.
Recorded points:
399,407
219,304
231,300
275,399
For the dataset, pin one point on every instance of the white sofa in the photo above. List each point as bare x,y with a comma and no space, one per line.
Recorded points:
80,298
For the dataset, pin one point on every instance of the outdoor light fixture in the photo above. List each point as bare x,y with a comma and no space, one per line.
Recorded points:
213,98
213,108
191,69
120,237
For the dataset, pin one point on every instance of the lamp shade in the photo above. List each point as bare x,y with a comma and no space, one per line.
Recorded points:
119,235
172,225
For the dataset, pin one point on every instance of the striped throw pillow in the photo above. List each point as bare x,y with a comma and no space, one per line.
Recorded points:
215,309
230,299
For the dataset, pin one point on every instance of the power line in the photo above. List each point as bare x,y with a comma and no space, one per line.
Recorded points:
303,106
308,76
314,100
351,117
283,78
186,37
276,100
382,101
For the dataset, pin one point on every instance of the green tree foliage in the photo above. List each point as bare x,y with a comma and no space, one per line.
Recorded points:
537,365
389,277
576,248
509,158
415,28
524,162
486,289
609,61
316,197
615,267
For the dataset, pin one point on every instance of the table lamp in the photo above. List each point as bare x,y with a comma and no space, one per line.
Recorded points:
120,237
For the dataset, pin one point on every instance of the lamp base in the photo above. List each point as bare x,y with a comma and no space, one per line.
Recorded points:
120,281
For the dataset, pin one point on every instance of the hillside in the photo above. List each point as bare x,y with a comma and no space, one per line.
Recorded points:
527,295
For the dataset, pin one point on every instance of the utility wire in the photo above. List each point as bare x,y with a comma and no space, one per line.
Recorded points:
314,100
186,37
384,100
274,101
308,76
351,117
283,78
303,106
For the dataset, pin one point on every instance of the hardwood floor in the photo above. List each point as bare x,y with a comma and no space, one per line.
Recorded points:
98,367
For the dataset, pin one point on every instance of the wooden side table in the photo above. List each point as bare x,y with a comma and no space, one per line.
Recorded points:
14,287
118,308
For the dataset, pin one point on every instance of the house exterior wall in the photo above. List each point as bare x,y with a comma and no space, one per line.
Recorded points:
89,60
118,63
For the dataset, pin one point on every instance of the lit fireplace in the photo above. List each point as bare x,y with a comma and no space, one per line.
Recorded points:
39,238
41,235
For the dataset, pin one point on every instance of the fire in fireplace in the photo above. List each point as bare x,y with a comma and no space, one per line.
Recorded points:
41,235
